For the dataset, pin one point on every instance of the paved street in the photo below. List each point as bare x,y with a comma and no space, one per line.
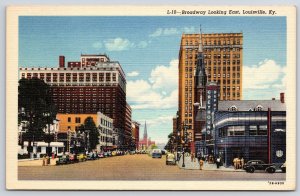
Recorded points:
133,167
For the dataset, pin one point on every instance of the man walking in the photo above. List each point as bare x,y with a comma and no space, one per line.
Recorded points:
201,163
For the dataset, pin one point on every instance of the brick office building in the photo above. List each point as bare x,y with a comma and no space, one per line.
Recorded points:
223,61
94,84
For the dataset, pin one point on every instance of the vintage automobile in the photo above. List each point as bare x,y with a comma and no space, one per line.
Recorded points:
170,159
156,153
81,157
91,156
253,165
64,159
283,167
100,155
73,158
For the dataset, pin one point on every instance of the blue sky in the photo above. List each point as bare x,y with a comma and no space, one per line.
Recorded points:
147,48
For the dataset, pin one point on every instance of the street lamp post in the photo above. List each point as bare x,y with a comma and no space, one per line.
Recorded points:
178,142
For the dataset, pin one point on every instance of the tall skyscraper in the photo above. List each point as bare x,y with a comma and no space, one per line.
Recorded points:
222,58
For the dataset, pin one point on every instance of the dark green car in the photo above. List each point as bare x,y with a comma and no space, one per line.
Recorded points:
64,159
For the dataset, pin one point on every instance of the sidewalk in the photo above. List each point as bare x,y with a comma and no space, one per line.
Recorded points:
211,167
35,162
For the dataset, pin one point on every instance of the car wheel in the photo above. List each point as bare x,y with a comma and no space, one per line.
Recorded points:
271,170
283,170
250,170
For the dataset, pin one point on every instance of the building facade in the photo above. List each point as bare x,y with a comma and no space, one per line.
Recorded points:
254,130
128,126
107,140
94,84
222,58
71,122
136,133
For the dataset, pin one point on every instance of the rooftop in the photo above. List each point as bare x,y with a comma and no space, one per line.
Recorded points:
246,105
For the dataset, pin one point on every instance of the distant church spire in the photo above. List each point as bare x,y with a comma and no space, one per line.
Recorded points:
200,48
145,131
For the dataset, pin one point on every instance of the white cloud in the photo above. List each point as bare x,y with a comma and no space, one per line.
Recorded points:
264,75
160,93
142,44
118,44
97,45
173,31
160,120
164,32
165,78
264,81
133,74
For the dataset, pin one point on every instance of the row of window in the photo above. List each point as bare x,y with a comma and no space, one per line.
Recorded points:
77,120
106,139
215,49
106,123
214,42
241,130
237,75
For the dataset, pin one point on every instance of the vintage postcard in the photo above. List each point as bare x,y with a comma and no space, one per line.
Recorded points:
151,98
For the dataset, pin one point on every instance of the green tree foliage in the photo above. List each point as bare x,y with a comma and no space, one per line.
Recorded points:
169,144
89,127
35,108
153,146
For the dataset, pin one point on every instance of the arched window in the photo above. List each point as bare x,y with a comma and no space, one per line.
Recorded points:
232,108
259,108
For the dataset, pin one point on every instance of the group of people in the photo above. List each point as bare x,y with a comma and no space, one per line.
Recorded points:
46,160
238,163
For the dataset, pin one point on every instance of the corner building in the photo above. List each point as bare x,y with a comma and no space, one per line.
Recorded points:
223,57
94,84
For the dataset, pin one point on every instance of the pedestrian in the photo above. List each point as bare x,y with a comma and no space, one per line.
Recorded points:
44,160
201,163
47,160
192,157
218,161
242,162
238,163
53,155
235,163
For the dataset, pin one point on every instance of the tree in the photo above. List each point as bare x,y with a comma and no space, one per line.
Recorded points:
35,107
91,131
169,145
153,146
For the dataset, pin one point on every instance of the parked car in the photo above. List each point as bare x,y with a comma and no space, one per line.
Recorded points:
105,154
132,152
73,158
81,157
91,156
156,153
100,155
170,159
283,167
253,165
64,159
